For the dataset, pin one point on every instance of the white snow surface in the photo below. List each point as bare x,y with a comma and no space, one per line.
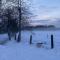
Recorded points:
24,51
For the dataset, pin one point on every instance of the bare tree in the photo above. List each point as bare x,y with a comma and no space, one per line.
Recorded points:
10,21
23,16
16,11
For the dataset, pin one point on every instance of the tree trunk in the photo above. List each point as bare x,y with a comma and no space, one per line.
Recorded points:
15,36
9,35
19,37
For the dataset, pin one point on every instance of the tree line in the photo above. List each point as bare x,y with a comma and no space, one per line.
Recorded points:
13,17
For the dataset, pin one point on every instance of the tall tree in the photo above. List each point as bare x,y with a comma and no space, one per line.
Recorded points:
10,21
23,16
17,11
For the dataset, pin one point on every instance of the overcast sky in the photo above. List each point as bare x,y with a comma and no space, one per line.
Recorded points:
46,10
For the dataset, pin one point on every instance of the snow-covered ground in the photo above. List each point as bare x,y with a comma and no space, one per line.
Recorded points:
24,51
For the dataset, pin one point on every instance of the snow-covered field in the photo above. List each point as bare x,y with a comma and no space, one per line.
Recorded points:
24,51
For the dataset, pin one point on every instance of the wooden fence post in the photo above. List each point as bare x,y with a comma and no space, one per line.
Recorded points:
30,39
52,42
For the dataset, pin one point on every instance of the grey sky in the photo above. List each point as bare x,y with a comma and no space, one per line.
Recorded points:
46,10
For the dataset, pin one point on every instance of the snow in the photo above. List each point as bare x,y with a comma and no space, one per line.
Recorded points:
24,51
3,37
